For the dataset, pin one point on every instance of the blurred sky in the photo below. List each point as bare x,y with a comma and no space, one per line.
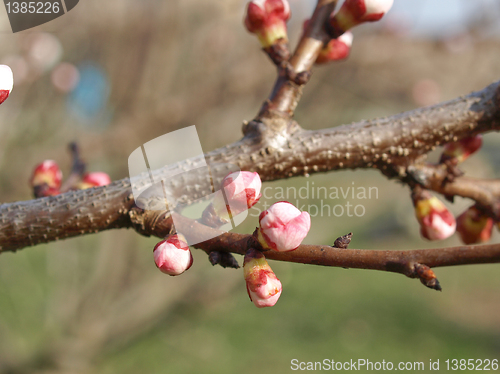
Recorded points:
443,17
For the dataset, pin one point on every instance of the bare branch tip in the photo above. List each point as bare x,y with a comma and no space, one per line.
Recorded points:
427,277
343,242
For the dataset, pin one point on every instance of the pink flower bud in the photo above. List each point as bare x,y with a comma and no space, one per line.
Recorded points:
355,12
267,19
263,287
6,82
94,179
283,227
436,221
46,179
474,227
336,49
172,255
462,149
241,190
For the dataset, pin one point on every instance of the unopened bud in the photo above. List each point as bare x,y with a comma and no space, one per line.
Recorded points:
355,12
461,150
283,227
436,221
336,49
46,179
267,19
474,227
263,287
172,255
94,179
239,192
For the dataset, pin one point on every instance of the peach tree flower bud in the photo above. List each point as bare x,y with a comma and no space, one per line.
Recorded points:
172,255
267,19
241,190
336,49
263,287
6,82
94,179
283,227
436,221
355,12
46,179
462,149
474,227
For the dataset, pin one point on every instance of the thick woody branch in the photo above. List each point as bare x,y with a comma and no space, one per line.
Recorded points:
389,144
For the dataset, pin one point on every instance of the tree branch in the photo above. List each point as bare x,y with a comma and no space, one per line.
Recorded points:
389,144
409,262
276,147
286,92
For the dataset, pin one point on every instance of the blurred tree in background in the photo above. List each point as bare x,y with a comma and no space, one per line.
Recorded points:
135,70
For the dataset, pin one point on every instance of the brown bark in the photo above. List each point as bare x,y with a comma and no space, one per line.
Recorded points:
276,147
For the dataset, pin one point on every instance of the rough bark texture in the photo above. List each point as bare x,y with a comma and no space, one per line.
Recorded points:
276,147
390,144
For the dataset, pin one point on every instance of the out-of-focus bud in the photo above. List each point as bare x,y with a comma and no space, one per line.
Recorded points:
474,227
283,227
462,149
239,192
336,49
172,255
46,179
436,221
6,82
354,12
267,19
94,179
263,287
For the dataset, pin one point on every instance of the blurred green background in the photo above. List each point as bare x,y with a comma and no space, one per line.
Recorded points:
113,75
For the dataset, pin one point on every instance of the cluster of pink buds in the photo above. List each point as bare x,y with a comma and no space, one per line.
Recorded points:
474,227
239,192
355,12
436,221
263,287
172,255
282,227
461,150
267,19
46,180
6,82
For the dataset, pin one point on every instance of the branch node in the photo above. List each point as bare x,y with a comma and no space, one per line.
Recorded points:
417,176
224,259
278,52
452,170
297,78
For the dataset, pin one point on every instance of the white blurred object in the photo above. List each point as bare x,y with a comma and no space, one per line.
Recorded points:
6,82
19,67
